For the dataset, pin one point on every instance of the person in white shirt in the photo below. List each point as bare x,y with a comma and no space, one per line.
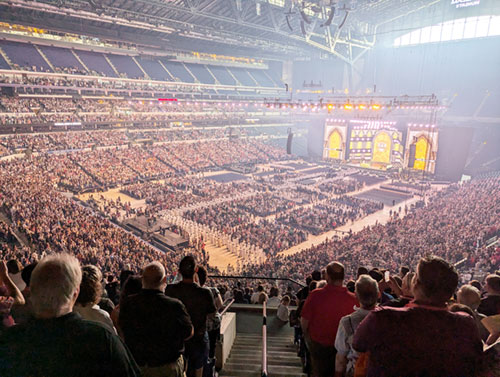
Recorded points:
274,299
90,294
367,293
255,296
283,312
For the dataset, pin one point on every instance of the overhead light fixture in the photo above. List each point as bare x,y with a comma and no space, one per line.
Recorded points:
329,20
303,14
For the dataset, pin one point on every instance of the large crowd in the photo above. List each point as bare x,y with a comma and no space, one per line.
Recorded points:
52,109
454,225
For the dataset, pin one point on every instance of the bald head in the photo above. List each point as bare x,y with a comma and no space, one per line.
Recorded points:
153,276
470,296
335,273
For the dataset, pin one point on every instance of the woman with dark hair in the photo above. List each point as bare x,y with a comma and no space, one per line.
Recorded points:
130,287
90,294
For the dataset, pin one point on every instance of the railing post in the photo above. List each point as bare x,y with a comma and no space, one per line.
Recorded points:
264,340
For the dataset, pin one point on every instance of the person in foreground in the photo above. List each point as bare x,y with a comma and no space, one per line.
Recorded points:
200,306
58,342
320,319
424,338
155,326
367,292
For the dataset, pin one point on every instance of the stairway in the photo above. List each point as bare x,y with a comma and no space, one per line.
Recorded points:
111,65
246,355
5,57
191,73
45,58
80,60
140,67
211,74
234,78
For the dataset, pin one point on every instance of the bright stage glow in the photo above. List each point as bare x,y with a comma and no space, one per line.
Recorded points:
348,106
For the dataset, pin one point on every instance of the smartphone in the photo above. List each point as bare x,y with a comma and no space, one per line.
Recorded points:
387,274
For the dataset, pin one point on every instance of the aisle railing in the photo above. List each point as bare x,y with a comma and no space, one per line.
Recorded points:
255,278
264,340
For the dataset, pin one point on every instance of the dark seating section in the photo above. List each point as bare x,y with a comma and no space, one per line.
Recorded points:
96,62
61,57
154,69
222,75
3,63
201,73
261,78
125,64
25,55
178,70
243,76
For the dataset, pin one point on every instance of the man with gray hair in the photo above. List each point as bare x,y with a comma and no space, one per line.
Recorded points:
58,342
367,292
155,326
470,296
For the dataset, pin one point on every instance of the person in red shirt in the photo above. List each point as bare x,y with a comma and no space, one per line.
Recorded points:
423,338
320,319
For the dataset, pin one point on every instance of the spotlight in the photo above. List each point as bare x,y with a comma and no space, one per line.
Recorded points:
330,107
362,107
348,106
376,107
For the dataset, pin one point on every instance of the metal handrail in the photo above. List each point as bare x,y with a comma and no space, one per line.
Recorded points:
255,278
231,302
264,340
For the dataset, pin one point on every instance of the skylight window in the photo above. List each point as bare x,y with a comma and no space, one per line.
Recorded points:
464,28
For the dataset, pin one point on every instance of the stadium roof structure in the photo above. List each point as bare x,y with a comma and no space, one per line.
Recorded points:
277,29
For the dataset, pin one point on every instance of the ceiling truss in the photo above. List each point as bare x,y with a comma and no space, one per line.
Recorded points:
245,23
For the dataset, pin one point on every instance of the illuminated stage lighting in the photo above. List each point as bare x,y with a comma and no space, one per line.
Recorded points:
330,107
348,106
376,107
361,107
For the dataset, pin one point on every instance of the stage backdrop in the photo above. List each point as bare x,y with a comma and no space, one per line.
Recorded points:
454,145
335,139
315,137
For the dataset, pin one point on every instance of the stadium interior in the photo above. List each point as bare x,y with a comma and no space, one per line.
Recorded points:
267,139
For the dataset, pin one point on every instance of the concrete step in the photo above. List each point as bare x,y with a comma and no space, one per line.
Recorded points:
277,354
259,341
246,369
286,361
270,347
259,336
245,357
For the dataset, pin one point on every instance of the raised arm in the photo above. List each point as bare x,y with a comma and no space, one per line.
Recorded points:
14,292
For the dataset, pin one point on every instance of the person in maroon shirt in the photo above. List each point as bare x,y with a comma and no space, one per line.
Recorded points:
320,319
424,338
